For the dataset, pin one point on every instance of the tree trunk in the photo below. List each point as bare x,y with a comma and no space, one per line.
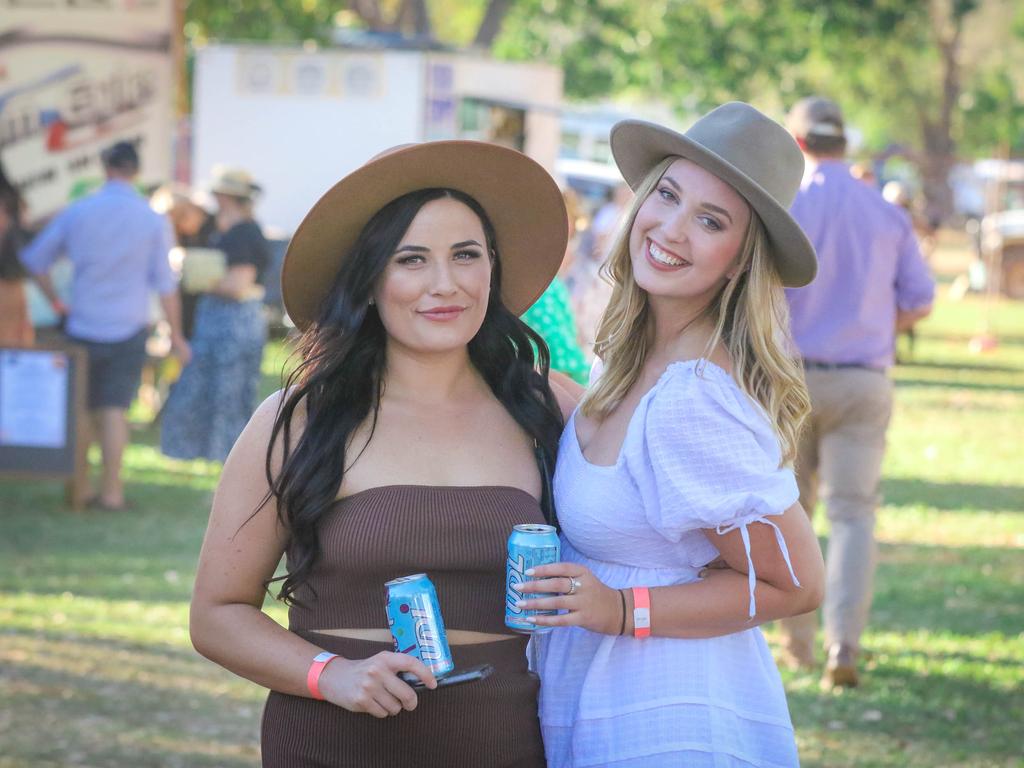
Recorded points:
369,12
491,24
937,134
414,18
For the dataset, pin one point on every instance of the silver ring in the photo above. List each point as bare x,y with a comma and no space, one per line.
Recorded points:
574,584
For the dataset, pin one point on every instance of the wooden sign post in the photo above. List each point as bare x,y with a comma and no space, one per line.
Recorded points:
44,424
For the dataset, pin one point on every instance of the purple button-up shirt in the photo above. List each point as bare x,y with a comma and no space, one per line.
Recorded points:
118,247
869,264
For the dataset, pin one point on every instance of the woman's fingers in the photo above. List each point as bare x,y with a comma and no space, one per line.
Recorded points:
557,585
402,692
403,662
545,603
557,569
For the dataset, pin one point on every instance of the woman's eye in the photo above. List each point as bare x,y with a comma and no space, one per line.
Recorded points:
412,258
467,255
711,223
666,193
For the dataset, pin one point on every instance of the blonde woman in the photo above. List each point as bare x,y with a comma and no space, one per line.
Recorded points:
680,455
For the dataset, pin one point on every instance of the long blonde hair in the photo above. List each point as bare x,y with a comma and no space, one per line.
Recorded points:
751,320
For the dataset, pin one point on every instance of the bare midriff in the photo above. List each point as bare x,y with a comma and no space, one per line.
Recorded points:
455,636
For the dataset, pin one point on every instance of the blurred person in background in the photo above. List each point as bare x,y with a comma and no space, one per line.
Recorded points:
218,391
194,227
118,248
413,435
15,322
871,283
552,314
591,290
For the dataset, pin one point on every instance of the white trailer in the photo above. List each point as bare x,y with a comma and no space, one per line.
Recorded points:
300,119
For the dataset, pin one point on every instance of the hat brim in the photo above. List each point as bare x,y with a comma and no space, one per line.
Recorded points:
638,146
521,199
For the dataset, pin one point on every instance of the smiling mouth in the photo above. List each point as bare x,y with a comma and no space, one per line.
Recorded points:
662,257
442,313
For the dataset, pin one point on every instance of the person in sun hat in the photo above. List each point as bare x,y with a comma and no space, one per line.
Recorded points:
873,282
679,458
218,391
415,431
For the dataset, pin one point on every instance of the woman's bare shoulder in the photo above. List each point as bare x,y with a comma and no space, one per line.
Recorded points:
566,391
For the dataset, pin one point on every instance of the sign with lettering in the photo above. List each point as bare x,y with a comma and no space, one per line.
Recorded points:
76,76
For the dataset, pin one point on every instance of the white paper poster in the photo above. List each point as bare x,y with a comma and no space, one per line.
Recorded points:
33,398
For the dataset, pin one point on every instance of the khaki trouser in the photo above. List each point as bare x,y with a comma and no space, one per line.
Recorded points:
841,452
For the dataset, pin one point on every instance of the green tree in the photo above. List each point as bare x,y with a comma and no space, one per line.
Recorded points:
902,69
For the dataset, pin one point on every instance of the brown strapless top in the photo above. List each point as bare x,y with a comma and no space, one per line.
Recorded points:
455,534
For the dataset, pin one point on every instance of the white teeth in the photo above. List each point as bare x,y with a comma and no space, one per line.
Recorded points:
663,258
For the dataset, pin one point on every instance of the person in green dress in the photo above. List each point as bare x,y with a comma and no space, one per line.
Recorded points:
552,317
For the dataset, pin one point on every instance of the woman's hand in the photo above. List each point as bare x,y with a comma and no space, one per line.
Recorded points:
591,604
372,685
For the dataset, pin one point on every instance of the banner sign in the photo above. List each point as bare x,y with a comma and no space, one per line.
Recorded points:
76,76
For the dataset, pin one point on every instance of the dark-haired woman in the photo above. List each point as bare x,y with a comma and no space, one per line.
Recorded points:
412,436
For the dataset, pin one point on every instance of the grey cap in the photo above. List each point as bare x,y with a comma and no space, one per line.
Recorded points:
815,116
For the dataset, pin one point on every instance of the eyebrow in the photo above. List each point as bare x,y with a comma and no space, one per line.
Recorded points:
709,206
424,249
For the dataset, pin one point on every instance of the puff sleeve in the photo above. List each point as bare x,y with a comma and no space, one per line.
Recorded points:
708,458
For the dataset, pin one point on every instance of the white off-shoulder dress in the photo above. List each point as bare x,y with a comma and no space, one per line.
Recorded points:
698,453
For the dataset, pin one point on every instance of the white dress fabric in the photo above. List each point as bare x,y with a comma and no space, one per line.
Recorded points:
698,453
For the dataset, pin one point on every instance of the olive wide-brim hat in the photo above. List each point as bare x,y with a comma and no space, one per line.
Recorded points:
521,199
747,150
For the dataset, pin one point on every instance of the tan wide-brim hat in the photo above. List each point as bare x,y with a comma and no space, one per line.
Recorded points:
521,199
233,182
746,149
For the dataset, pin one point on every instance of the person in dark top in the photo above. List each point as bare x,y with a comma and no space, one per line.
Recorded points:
194,226
217,393
410,438
15,323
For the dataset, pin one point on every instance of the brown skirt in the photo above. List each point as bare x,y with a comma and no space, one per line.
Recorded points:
490,722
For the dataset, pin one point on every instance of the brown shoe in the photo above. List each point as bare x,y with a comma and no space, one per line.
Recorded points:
841,667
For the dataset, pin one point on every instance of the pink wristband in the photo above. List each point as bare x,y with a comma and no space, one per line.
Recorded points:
321,660
641,612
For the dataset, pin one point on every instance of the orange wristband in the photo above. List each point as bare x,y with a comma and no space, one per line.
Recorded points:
641,612
315,670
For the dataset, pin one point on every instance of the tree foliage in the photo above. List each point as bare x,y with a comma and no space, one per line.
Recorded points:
938,77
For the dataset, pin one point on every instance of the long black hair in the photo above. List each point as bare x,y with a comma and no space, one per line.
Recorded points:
340,379
13,238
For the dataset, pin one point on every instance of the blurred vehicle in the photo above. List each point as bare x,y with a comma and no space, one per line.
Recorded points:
594,182
1001,234
1002,244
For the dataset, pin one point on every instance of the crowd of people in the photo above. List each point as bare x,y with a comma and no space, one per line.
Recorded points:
674,385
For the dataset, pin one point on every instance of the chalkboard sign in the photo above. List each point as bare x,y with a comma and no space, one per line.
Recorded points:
43,415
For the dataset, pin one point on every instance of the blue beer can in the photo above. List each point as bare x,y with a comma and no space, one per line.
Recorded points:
414,618
528,546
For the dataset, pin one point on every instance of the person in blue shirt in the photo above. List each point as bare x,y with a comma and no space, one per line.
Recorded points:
118,249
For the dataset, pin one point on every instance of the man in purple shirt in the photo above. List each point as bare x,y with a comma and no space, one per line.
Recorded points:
118,249
872,282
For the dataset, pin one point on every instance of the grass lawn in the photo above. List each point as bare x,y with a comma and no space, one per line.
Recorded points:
96,668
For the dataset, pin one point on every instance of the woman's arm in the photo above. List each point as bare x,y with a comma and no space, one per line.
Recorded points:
238,283
240,552
718,604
